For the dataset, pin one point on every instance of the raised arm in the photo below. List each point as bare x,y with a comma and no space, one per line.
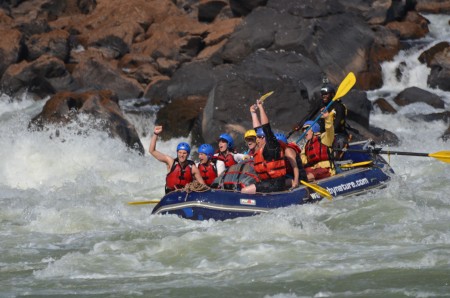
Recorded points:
155,153
328,136
262,112
255,120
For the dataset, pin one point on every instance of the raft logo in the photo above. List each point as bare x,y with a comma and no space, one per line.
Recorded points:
347,186
248,202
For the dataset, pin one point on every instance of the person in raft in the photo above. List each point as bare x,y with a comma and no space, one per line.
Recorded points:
180,170
208,165
269,162
317,153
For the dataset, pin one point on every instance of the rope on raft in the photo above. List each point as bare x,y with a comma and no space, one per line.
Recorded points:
196,186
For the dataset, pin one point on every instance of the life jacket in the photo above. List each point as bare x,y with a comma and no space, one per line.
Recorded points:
315,151
298,150
227,159
237,176
208,172
178,176
270,169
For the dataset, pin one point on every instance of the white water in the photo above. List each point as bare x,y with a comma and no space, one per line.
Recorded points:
66,228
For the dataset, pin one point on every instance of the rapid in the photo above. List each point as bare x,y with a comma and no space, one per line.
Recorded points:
66,228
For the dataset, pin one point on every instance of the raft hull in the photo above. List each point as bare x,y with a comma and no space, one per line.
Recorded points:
219,204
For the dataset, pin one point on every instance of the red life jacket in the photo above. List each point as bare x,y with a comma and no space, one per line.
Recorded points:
227,159
289,169
178,176
315,151
270,169
208,172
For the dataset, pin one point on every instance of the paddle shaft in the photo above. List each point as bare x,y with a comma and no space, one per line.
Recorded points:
376,151
317,119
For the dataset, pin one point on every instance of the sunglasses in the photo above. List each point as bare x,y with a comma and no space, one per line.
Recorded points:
260,137
305,128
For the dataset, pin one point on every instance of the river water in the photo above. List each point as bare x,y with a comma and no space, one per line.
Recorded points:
67,230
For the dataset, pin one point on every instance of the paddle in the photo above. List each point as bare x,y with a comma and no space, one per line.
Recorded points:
320,190
343,89
143,202
263,98
443,156
357,164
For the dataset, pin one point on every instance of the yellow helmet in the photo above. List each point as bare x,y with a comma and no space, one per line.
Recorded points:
251,133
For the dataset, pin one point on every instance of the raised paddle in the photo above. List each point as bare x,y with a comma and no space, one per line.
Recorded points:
143,202
320,190
263,98
343,89
443,156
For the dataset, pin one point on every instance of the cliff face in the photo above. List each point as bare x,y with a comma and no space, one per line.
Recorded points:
206,61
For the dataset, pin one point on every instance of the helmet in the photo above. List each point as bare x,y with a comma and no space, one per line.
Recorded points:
184,146
260,132
327,89
281,137
251,133
207,149
228,139
315,127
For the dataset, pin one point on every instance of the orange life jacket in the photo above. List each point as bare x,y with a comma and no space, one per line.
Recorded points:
208,172
270,169
178,176
315,151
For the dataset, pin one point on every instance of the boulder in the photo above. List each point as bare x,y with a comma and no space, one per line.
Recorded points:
41,77
414,94
102,105
384,106
11,48
97,73
54,43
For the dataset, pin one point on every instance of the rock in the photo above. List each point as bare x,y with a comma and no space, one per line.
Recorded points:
414,94
384,106
244,7
43,76
440,70
433,6
102,105
382,137
413,27
358,106
97,73
446,136
54,43
11,48
208,10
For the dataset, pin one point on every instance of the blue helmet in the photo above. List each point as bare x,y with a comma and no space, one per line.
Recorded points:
228,139
281,137
315,127
207,149
260,132
184,146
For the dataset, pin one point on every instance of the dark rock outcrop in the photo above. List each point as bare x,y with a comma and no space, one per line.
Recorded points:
64,107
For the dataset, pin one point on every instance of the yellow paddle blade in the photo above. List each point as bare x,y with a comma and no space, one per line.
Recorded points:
144,202
357,164
441,155
345,86
320,190
263,98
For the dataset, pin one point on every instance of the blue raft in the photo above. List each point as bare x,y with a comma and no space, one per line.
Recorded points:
357,173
